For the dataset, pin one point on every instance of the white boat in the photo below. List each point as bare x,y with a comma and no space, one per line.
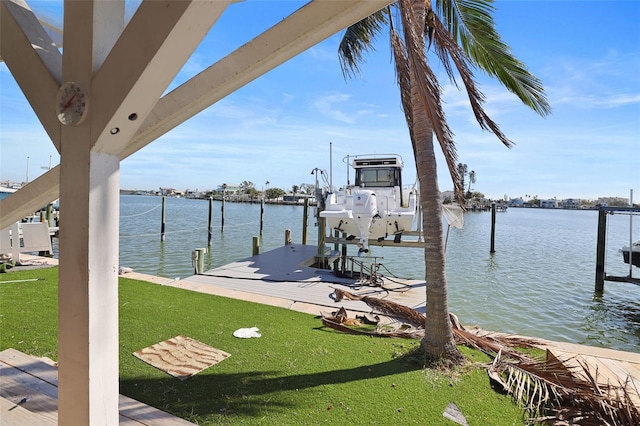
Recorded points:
635,249
377,205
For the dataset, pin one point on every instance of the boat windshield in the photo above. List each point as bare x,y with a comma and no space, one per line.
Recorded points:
377,177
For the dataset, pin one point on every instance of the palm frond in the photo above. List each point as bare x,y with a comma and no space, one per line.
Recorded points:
471,22
387,307
446,48
336,324
531,384
492,346
553,393
430,92
403,77
550,391
358,39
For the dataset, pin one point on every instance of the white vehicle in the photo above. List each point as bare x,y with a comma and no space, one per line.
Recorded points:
377,205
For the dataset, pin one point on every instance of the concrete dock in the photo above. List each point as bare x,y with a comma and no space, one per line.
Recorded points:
282,277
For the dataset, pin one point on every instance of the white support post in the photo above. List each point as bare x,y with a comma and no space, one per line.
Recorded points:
88,289
88,387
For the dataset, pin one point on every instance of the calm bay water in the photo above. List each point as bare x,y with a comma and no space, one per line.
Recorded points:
539,282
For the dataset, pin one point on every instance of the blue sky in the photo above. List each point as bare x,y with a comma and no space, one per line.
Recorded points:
278,128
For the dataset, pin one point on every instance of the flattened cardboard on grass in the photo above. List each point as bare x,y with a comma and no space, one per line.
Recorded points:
181,356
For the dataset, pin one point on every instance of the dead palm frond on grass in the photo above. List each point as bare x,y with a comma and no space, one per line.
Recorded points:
556,394
550,391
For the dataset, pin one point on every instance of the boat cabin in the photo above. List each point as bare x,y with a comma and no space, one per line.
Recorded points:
376,206
379,173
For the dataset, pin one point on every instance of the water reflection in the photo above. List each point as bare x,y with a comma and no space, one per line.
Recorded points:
615,312
492,264
162,260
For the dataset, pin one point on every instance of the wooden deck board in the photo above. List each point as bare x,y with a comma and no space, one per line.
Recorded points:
37,368
633,370
14,375
606,370
595,351
17,390
16,415
140,413
22,376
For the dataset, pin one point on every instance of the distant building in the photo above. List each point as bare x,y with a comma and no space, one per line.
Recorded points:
228,188
549,204
515,202
571,203
612,201
171,192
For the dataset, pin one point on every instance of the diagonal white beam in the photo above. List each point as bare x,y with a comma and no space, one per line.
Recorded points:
304,28
33,60
154,46
31,197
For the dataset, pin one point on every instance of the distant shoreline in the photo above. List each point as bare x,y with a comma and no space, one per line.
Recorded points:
503,206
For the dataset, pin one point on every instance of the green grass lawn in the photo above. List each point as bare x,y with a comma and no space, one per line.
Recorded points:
297,373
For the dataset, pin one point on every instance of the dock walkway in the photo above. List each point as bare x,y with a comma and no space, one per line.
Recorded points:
283,277
608,367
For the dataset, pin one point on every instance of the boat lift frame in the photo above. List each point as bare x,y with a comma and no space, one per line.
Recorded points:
601,275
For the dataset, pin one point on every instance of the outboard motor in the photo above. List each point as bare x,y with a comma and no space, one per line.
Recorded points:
365,208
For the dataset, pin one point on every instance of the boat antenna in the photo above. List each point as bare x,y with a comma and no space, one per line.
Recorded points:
330,166
347,162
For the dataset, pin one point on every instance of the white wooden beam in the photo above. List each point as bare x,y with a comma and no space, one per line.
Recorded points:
157,42
36,194
31,197
88,347
304,28
33,60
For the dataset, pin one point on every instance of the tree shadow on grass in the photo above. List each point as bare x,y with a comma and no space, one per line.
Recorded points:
251,393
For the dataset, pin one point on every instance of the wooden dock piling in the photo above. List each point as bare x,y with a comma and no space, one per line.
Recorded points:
261,216
50,214
255,246
601,250
210,225
305,220
222,213
493,228
164,219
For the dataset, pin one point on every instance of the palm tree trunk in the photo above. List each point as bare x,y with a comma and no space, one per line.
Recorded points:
438,342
